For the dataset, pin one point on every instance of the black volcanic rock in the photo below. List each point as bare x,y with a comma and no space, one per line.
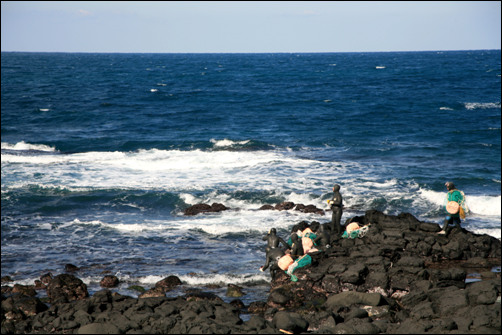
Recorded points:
401,277
205,208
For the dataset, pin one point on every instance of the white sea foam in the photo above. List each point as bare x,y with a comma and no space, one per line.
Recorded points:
242,221
483,205
150,280
194,279
227,143
379,67
223,279
495,232
445,108
25,282
216,176
481,105
230,221
161,169
27,146
201,279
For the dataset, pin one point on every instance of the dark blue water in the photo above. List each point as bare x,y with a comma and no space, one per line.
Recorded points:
101,153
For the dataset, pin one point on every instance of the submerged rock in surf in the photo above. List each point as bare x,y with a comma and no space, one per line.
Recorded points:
205,208
109,281
168,283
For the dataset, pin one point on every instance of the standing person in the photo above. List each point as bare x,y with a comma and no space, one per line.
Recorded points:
336,204
455,207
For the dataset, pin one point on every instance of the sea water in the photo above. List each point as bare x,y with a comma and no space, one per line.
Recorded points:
101,153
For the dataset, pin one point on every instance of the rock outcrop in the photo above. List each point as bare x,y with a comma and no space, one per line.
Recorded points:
401,277
205,208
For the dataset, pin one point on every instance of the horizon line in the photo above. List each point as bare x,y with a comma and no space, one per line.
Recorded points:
267,52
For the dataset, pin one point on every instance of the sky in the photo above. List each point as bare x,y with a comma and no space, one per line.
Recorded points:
249,26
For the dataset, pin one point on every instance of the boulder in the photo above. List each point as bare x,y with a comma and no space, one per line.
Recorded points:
290,321
205,208
349,298
234,291
168,283
66,287
109,281
286,205
71,268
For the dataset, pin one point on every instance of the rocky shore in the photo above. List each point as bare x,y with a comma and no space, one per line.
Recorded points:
401,277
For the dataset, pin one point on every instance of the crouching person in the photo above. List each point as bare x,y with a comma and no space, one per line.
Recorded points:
273,257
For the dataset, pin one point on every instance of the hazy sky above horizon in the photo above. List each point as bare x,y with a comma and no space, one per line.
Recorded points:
249,26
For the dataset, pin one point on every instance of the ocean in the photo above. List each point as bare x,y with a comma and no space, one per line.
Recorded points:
101,154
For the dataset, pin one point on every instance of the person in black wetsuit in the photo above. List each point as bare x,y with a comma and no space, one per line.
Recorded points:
273,240
296,246
336,204
323,238
273,256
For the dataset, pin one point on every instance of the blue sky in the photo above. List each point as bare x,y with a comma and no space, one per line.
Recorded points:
249,26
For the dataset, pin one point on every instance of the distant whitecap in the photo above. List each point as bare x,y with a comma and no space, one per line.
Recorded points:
481,105
227,143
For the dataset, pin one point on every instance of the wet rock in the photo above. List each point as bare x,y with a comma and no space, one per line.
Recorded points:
24,290
286,205
237,303
6,279
29,306
66,287
234,291
280,296
199,296
109,281
153,293
309,209
290,321
205,208
168,283
137,288
216,207
98,328
400,278
257,307
71,268
349,298
196,209
483,292
46,278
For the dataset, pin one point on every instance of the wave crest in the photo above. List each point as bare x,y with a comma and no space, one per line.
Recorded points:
481,105
23,146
